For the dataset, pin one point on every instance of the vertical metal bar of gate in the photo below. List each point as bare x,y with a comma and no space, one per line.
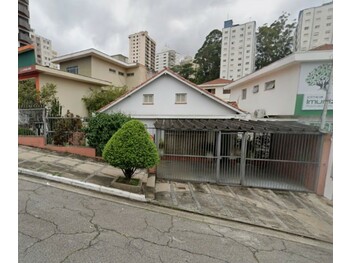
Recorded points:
218,156
243,158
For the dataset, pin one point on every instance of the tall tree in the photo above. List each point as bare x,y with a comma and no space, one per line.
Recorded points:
275,41
208,58
99,98
185,70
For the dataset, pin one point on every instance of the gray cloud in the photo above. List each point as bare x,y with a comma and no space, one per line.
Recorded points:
181,25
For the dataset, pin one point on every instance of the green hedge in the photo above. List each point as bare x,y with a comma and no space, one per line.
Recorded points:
102,127
25,131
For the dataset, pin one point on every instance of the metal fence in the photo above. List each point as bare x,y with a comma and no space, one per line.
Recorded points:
66,130
31,121
268,160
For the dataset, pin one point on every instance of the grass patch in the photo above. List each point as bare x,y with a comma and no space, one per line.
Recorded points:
132,181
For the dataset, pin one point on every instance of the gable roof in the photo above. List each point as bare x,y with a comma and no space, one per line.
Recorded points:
167,71
216,82
323,47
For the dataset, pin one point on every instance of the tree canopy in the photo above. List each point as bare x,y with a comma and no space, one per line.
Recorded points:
186,70
274,42
208,58
28,95
99,98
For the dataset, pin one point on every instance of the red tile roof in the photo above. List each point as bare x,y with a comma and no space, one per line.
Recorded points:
323,47
217,81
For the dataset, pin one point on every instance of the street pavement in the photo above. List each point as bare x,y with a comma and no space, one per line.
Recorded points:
62,223
298,213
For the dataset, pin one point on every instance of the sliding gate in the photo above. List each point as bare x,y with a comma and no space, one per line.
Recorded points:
268,160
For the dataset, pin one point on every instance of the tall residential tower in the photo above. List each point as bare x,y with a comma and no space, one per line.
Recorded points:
315,27
166,58
142,49
23,23
43,51
237,50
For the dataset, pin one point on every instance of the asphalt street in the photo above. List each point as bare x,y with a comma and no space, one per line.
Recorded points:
60,223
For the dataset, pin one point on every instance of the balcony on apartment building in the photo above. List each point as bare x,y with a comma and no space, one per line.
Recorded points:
23,24
23,9
24,38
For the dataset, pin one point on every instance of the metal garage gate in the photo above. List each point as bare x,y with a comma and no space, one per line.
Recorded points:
279,155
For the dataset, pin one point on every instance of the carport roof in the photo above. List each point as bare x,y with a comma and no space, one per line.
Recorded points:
227,125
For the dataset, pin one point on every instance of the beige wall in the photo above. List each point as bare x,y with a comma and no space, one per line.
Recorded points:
69,93
97,68
278,101
140,76
100,70
84,65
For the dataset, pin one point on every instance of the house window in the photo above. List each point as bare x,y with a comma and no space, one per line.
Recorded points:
181,98
112,70
270,85
244,94
256,89
148,99
227,91
73,69
212,91
130,74
120,73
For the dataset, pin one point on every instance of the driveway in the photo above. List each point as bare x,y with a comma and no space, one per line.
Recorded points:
301,213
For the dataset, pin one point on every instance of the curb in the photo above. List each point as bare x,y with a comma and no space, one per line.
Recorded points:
89,186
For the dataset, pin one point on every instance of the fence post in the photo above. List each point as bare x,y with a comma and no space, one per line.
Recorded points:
45,125
324,161
218,156
243,157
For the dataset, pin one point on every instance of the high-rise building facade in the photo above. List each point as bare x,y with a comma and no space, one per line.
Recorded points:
167,59
43,51
315,27
142,49
23,23
238,48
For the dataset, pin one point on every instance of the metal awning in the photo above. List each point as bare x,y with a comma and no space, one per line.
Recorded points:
235,125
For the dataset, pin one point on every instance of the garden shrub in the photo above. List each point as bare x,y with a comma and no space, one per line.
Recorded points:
25,131
101,128
131,148
65,128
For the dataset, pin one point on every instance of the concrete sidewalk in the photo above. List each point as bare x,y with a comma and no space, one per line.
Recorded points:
303,214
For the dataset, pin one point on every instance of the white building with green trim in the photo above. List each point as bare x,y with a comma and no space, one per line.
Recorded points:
291,88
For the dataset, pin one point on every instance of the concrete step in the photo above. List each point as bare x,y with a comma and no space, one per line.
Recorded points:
150,187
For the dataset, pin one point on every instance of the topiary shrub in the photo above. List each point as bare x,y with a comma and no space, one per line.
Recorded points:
131,148
102,127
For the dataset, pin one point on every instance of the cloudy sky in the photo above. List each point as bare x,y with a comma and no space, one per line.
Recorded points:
74,25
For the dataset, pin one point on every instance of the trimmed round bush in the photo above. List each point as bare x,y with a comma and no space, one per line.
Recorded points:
131,148
102,127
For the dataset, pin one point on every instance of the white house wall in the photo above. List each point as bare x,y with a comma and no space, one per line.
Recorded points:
277,101
164,89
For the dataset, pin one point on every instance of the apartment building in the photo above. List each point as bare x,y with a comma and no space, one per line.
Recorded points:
167,58
238,48
23,23
315,27
43,50
142,49
98,65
